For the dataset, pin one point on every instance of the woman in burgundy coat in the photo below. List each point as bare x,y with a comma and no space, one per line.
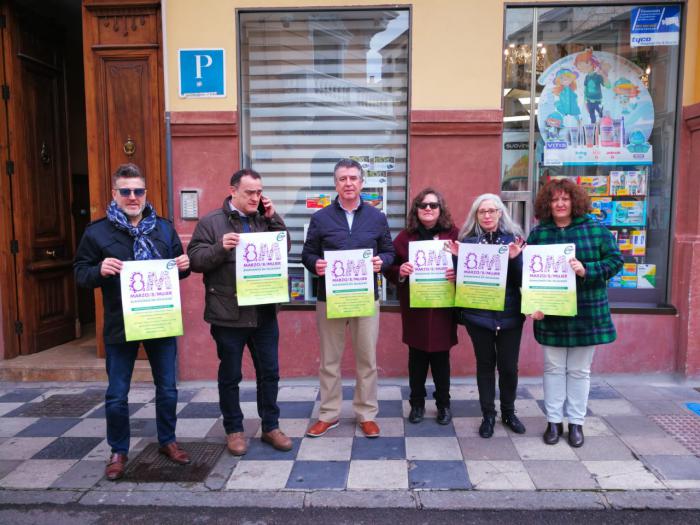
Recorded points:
428,332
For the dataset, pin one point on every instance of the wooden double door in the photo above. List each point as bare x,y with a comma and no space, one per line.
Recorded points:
123,115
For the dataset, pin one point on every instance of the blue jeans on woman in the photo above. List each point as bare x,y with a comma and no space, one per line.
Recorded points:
162,355
262,342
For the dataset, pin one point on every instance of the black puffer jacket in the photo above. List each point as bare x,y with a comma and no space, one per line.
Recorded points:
208,256
510,317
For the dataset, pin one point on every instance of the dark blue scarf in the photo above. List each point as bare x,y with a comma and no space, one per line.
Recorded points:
144,249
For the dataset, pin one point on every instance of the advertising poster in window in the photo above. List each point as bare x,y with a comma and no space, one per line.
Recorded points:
261,268
349,283
595,110
428,284
549,282
151,299
481,276
374,190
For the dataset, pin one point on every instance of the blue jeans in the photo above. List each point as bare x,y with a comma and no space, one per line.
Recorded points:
162,355
262,342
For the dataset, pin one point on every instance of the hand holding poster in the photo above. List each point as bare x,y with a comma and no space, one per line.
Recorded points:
349,283
549,282
261,268
482,270
151,299
428,286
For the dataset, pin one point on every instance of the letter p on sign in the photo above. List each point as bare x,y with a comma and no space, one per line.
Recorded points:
198,59
202,73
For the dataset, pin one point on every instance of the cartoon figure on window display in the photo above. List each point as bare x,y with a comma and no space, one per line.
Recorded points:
638,142
554,123
596,78
626,95
565,89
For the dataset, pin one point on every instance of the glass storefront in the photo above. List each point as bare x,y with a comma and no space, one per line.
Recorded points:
317,86
590,93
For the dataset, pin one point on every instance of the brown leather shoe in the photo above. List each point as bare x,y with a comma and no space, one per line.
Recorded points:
320,427
235,441
115,466
370,429
277,439
175,453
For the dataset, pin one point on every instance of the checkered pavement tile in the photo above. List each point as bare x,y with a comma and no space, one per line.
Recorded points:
260,475
384,474
318,475
36,473
384,448
499,475
438,475
49,427
325,448
22,395
67,448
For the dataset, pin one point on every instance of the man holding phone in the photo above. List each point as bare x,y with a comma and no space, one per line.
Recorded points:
212,251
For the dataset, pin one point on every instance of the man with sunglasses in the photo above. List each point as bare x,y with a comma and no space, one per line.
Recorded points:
347,224
131,231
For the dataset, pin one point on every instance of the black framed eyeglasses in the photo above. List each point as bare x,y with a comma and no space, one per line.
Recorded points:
431,205
126,192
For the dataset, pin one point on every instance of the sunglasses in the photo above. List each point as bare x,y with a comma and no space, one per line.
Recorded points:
126,192
431,205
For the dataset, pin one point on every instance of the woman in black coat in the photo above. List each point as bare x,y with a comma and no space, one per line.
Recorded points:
495,335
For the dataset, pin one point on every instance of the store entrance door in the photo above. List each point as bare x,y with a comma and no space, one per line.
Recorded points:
38,294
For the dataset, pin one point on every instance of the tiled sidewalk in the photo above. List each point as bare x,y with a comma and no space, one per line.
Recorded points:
626,445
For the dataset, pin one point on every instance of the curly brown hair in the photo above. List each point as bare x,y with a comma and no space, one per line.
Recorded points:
444,221
580,200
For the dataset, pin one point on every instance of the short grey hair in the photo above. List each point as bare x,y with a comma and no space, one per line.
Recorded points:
349,163
471,226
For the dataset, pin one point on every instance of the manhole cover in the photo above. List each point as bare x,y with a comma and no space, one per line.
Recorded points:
61,405
684,428
152,466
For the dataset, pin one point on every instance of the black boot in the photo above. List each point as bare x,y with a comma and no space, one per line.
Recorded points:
575,435
416,414
552,433
513,423
444,416
487,424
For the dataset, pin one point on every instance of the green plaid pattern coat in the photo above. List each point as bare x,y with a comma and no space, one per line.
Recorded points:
597,250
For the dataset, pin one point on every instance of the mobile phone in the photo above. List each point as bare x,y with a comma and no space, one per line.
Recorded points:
261,208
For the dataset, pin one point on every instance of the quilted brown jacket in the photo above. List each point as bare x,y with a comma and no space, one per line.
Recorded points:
208,256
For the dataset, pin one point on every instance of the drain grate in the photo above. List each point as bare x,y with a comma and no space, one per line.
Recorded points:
151,466
684,428
60,405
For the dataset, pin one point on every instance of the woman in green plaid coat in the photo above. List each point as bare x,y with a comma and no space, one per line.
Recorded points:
568,343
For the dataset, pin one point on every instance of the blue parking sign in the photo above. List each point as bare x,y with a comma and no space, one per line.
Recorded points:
202,73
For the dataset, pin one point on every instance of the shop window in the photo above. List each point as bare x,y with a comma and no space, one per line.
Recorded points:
315,87
590,93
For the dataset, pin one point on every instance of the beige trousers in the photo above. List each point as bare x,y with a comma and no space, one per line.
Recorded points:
364,332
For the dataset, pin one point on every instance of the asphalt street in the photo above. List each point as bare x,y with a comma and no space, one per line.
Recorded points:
79,515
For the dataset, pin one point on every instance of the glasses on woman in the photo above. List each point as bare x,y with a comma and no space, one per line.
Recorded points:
489,211
431,205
